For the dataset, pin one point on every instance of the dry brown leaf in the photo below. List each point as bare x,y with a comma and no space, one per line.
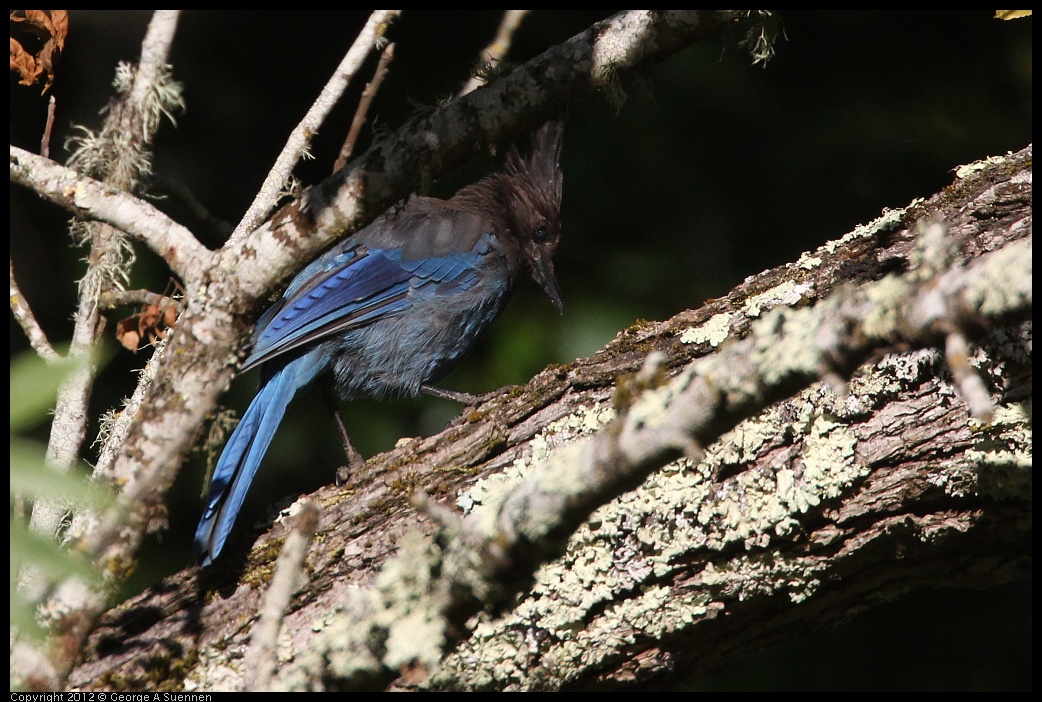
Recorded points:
127,333
38,37
153,322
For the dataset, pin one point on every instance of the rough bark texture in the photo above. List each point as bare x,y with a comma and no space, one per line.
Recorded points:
820,506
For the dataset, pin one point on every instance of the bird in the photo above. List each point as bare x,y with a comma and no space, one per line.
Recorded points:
390,310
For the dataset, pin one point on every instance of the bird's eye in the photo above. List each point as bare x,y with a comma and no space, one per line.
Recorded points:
542,233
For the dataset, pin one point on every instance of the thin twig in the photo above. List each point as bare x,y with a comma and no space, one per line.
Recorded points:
123,298
27,321
45,141
297,144
112,434
261,658
500,46
967,379
363,106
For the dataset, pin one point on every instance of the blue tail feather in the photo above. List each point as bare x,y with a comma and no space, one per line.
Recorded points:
244,451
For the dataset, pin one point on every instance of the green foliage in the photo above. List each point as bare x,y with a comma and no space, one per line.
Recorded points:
34,385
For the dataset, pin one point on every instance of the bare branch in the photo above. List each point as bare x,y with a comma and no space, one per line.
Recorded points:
24,316
364,103
969,382
114,427
122,298
289,577
150,92
500,46
269,193
45,141
92,199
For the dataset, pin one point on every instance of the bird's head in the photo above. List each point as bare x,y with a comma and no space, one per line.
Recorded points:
536,205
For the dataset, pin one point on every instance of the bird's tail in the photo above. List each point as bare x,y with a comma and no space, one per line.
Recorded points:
245,449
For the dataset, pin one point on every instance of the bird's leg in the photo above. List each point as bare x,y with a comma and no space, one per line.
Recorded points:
353,457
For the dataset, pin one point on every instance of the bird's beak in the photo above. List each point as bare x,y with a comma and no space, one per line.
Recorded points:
543,273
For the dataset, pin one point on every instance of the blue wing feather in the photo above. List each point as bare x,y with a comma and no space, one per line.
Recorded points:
347,289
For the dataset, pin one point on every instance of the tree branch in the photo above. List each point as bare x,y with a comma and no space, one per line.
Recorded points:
91,199
815,505
497,50
594,60
271,190
119,155
23,314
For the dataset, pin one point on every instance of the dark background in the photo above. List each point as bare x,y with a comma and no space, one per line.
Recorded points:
710,170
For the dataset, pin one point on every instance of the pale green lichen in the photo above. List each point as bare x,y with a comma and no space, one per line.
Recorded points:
714,331
1002,454
417,636
808,262
787,293
593,600
978,166
889,219
763,574
795,351
653,408
758,503
828,457
1005,282
402,602
888,301
484,499
744,442
214,671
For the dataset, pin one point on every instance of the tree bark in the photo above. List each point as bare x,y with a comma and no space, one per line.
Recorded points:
820,505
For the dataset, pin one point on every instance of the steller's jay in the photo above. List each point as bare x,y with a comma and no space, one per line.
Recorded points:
394,307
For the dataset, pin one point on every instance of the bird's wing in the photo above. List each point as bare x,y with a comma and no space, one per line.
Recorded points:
351,287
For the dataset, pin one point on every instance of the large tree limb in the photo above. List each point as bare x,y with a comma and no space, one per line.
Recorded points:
802,512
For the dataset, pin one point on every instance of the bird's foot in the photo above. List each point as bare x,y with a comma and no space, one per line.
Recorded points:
464,398
343,472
